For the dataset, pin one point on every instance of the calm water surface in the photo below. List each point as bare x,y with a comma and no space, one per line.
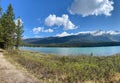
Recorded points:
98,51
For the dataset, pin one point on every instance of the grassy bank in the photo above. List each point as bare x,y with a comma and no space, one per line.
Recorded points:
68,69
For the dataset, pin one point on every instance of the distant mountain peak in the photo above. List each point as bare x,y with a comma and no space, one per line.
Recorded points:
87,38
101,32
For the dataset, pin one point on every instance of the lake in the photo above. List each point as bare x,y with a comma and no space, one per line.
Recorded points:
97,51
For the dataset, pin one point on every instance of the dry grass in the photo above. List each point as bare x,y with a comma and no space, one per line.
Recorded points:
10,74
69,69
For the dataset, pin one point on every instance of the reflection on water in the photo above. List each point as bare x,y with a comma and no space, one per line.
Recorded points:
99,51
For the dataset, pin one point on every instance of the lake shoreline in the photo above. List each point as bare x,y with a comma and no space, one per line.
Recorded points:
68,69
95,51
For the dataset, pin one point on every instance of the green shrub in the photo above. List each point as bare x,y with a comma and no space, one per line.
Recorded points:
68,69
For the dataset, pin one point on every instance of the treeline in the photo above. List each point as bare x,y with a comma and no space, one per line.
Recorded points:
74,44
10,29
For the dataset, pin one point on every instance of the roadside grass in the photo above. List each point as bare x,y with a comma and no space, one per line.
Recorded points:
68,69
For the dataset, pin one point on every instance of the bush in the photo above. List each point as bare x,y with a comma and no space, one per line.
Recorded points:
68,69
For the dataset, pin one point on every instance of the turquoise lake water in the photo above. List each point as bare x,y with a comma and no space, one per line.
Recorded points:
97,51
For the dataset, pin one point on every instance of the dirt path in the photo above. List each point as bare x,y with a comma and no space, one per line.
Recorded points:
10,74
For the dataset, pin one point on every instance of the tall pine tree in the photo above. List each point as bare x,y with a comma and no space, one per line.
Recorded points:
1,29
4,30
11,27
19,31
10,31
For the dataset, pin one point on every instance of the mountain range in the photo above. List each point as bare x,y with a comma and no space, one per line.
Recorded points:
81,39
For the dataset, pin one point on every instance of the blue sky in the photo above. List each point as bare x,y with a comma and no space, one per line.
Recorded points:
43,18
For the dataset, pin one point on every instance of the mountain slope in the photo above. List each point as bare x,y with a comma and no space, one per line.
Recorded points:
97,37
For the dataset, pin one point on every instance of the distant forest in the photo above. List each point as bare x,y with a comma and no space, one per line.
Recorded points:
10,29
80,44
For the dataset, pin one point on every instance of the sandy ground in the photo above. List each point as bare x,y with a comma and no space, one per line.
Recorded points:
10,74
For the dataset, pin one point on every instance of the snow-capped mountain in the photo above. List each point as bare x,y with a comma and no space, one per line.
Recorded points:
99,32
81,38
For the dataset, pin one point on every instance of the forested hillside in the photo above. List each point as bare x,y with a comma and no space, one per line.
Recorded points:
80,40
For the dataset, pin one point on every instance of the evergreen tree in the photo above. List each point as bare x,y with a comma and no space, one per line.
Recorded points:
1,29
4,30
10,13
1,33
11,27
19,31
10,33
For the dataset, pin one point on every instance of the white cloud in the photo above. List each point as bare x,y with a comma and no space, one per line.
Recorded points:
64,21
92,7
48,30
94,33
41,29
64,34
37,30
113,32
21,22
